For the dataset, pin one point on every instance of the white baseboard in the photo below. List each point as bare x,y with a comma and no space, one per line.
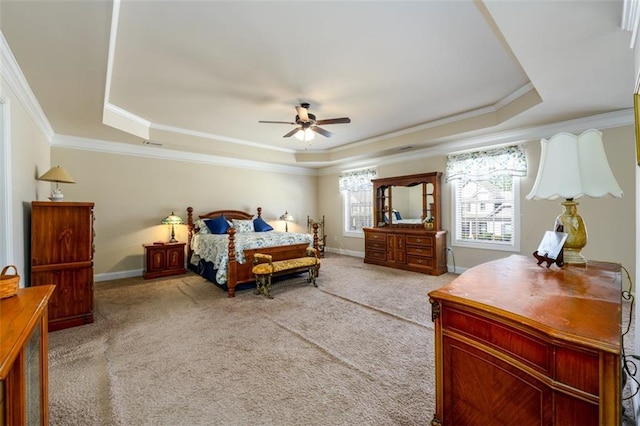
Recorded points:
456,270
345,252
117,275
138,272
450,268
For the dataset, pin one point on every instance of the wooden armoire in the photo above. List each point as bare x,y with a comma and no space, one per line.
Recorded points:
62,254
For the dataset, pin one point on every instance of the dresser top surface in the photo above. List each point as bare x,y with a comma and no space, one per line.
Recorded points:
573,303
18,316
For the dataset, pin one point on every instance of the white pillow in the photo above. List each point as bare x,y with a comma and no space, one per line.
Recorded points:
243,225
204,229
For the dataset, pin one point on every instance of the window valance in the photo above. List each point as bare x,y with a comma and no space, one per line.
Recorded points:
357,180
483,165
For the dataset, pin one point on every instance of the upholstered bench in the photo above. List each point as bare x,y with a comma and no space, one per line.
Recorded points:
264,271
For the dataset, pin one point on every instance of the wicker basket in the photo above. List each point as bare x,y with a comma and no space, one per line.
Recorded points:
9,282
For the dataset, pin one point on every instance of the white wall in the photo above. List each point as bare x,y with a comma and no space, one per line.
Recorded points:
610,221
132,194
29,150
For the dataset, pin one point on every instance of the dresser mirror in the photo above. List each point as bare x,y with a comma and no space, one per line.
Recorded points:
408,201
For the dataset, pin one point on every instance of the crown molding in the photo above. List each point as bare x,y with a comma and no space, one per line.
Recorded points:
456,144
12,74
113,36
205,135
138,121
148,151
446,146
127,115
443,121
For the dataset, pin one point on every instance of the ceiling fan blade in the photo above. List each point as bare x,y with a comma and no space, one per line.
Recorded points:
291,133
277,122
303,113
334,121
323,132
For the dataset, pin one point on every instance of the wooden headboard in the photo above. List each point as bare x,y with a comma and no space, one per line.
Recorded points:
229,214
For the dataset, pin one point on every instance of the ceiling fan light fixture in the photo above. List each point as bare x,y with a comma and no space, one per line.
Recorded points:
308,124
304,134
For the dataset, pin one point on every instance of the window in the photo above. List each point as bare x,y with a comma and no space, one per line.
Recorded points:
357,192
486,198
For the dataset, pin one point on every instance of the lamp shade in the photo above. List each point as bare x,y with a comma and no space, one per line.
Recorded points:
172,219
573,166
57,174
286,217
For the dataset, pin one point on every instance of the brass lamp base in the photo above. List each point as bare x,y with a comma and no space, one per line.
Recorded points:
571,223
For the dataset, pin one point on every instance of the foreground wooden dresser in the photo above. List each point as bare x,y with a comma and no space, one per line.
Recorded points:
62,254
23,357
517,343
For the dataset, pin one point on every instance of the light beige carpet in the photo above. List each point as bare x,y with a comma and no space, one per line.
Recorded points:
177,351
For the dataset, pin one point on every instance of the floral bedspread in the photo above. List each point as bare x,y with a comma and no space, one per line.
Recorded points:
214,247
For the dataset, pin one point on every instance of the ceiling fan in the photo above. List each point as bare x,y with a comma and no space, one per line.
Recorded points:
308,124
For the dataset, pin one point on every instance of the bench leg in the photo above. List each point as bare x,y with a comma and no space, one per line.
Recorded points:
263,285
267,288
313,273
258,289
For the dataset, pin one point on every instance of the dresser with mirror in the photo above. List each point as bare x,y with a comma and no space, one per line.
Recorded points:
407,230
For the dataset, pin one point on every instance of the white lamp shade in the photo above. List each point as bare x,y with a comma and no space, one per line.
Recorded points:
573,166
287,217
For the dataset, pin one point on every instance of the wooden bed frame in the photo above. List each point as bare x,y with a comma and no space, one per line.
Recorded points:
239,273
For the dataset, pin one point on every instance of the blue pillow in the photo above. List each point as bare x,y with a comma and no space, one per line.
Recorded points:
396,214
219,225
260,225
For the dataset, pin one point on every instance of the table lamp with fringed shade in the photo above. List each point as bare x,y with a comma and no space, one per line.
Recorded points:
287,218
570,167
172,220
57,174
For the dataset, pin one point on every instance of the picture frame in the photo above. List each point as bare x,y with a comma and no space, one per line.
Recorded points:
550,248
636,109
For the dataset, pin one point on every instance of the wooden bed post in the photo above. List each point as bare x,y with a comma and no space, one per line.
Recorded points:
232,273
315,235
190,226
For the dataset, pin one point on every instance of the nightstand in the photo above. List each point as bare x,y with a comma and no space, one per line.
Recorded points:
164,259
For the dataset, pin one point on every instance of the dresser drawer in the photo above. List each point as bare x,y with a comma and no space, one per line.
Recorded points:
375,236
420,241
377,255
376,246
517,344
421,262
420,251
578,368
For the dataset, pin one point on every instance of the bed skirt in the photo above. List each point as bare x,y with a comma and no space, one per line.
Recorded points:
207,271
